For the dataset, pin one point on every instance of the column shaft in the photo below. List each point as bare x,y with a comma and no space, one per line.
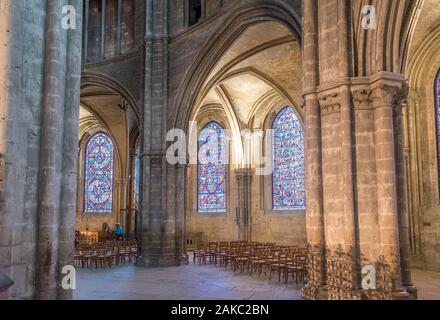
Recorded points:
70,152
402,197
51,124
386,180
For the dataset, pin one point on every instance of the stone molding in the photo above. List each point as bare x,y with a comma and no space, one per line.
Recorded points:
156,160
159,39
416,96
330,103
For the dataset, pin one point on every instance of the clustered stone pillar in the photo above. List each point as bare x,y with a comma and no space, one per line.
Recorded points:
57,189
356,209
313,170
383,103
161,209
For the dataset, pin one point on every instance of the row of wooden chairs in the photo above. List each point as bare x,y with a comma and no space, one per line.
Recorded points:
255,258
102,255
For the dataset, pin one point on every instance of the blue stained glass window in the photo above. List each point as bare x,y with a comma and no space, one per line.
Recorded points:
99,174
211,169
288,182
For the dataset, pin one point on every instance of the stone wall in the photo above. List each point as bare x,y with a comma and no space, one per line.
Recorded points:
111,31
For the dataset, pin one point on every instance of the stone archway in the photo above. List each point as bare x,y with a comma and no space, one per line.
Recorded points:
163,205
421,153
108,107
205,79
215,48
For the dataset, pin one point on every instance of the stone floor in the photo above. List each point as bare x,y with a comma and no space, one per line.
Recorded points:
192,282
195,282
427,283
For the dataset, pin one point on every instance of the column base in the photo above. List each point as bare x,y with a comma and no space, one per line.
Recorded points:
401,294
321,293
158,261
412,290
184,259
310,292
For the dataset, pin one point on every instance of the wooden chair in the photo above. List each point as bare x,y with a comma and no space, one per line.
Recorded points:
231,254
100,257
258,262
220,254
121,254
109,256
133,250
277,265
87,258
296,269
77,259
243,259
211,252
200,253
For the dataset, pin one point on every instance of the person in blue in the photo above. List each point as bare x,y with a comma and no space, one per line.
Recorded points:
119,232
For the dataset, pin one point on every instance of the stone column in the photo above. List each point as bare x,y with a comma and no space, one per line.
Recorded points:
124,209
70,151
350,216
402,197
181,174
117,201
151,212
59,131
159,191
169,256
49,196
414,176
313,149
244,181
131,191
365,174
383,100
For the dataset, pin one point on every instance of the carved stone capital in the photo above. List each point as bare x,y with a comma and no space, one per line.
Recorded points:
330,103
362,99
384,95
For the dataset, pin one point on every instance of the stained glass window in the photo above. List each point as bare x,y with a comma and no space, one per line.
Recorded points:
211,169
437,117
288,187
99,174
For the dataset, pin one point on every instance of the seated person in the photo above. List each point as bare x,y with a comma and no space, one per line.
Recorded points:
119,232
